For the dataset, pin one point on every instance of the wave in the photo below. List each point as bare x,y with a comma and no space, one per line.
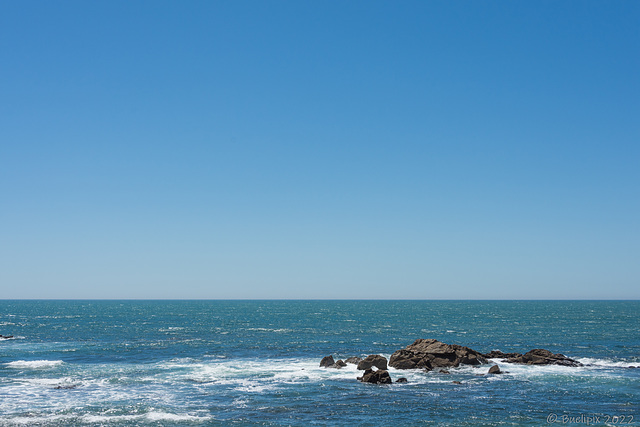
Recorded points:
34,364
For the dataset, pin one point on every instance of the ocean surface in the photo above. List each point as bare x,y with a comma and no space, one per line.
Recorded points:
164,363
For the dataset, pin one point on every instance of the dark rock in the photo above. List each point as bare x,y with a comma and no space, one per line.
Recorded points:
354,360
65,387
444,371
401,380
380,376
429,353
456,382
372,360
497,354
495,369
541,356
6,337
327,361
339,364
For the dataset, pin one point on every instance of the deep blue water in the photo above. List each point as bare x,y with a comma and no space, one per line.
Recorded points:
256,362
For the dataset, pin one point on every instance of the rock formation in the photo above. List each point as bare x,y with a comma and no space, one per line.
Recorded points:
430,353
541,356
372,360
380,376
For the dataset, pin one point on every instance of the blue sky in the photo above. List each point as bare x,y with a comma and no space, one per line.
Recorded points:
288,149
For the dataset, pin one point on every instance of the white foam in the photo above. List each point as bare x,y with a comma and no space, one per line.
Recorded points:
34,364
165,416
606,363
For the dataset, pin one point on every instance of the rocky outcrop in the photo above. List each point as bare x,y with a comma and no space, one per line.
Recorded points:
6,337
401,380
541,356
380,376
354,360
372,360
327,361
495,369
430,353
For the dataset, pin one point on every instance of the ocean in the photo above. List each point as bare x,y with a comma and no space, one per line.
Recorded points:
166,363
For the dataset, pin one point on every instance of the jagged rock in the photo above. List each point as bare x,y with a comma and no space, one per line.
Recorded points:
430,353
401,380
444,371
354,360
327,361
339,364
372,360
497,354
495,369
380,376
541,356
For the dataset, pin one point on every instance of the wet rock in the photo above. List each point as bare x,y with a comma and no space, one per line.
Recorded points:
339,364
380,376
372,360
402,380
444,371
65,387
497,354
430,353
495,369
456,382
327,361
354,360
541,356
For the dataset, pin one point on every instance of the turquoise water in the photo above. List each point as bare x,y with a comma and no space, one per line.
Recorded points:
256,363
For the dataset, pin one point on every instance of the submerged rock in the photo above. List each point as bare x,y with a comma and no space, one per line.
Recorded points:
372,360
430,353
401,380
497,354
540,356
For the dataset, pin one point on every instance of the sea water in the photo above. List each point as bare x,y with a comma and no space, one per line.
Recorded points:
257,363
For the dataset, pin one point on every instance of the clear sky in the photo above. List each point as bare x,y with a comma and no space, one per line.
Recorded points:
320,149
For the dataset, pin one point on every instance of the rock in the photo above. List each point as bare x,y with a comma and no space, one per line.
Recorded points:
456,382
429,353
380,376
65,387
444,371
497,354
354,360
402,380
6,337
339,364
327,361
541,356
495,369
372,360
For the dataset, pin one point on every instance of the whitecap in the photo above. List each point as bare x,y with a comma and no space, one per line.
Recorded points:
34,364
165,416
607,363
